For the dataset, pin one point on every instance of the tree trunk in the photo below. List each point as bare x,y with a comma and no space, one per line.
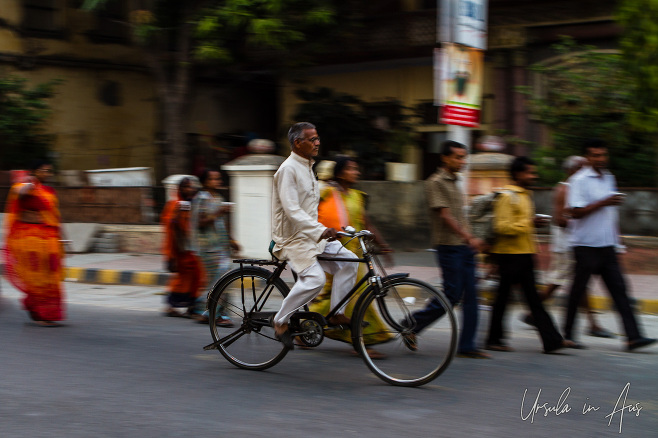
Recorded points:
172,79
176,157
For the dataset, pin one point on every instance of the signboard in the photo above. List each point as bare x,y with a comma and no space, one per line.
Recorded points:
461,74
463,22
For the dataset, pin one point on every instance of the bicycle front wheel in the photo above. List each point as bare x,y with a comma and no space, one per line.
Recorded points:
246,337
420,327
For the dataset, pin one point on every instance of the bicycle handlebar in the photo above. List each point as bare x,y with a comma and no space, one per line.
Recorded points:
347,233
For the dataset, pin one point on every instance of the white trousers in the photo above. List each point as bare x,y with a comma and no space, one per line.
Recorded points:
311,280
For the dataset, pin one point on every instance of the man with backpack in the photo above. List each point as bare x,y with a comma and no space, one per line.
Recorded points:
455,250
514,225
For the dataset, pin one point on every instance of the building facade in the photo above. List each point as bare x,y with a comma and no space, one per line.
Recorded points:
392,57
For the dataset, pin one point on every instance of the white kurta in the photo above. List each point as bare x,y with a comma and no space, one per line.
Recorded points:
295,228
296,233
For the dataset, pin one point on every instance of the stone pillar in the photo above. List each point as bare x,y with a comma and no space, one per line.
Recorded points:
488,170
251,190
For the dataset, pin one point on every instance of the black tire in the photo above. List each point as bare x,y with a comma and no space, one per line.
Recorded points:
407,363
250,342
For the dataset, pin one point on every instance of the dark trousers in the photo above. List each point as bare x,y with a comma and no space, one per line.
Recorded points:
457,263
520,268
600,261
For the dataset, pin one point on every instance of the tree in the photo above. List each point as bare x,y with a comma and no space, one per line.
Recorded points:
177,35
586,94
375,132
639,48
23,115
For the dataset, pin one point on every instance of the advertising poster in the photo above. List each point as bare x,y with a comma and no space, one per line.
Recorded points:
461,75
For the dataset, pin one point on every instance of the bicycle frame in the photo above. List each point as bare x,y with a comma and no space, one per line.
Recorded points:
370,276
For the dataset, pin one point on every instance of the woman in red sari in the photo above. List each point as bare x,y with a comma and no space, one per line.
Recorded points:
34,253
184,287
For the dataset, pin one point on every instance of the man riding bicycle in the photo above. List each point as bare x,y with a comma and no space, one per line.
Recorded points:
299,237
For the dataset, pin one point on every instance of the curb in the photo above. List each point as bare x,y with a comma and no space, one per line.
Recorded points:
150,278
114,276
596,302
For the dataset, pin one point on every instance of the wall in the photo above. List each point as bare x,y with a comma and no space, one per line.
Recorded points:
399,211
90,132
409,81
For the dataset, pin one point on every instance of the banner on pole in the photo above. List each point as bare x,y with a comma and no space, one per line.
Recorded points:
461,74
463,22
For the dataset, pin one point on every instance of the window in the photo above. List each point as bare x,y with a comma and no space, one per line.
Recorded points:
111,24
42,17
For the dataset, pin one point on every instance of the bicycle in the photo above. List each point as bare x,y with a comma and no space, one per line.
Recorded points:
252,295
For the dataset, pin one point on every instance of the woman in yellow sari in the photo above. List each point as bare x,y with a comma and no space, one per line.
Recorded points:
33,252
340,206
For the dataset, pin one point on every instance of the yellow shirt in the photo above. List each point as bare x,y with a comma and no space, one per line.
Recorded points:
514,225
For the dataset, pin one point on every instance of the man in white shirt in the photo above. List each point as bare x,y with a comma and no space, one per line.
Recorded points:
593,199
299,237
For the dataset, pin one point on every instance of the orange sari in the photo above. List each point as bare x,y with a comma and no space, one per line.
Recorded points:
34,253
185,285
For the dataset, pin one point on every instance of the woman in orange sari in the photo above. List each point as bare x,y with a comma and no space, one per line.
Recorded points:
184,287
34,253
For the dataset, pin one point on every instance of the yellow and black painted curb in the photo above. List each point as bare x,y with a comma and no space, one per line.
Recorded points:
596,302
114,276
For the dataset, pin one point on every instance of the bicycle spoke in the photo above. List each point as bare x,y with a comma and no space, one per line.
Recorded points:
413,357
226,341
253,345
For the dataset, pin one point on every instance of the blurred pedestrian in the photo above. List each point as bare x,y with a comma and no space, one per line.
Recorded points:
455,249
514,250
184,287
340,206
210,235
561,269
593,199
34,252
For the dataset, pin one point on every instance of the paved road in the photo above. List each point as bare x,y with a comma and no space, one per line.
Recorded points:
119,369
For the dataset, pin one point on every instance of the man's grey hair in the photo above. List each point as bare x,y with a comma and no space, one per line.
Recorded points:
296,131
572,162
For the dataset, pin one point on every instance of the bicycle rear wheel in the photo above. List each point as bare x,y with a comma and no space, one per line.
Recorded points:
412,359
250,343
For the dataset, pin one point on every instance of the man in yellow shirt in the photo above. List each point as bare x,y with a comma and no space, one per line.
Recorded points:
514,249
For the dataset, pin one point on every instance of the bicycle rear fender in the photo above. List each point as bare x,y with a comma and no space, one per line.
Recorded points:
230,275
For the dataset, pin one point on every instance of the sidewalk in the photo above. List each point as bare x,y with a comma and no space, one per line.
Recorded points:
149,270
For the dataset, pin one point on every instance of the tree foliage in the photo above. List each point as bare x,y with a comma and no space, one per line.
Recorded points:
374,132
23,114
639,48
229,35
587,94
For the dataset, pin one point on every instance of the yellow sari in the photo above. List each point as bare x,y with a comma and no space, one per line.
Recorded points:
338,209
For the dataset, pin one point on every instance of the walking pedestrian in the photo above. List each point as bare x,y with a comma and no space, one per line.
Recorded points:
211,239
33,251
184,287
455,248
561,269
593,199
340,206
513,250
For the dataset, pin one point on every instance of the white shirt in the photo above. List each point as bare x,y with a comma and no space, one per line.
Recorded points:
561,236
600,228
295,228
